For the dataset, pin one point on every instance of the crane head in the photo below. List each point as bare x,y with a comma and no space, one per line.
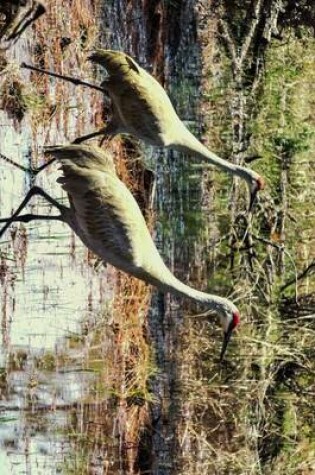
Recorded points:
254,181
229,322
257,184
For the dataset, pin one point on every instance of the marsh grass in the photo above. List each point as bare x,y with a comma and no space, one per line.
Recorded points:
254,414
117,408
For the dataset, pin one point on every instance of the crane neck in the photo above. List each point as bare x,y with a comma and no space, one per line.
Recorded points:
186,142
167,282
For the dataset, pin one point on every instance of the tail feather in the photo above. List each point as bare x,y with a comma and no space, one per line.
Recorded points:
117,63
82,156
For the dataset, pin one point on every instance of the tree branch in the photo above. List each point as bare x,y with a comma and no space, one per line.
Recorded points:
230,43
238,59
309,269
250,35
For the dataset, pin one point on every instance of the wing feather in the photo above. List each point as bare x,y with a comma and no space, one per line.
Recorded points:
142,106
109,217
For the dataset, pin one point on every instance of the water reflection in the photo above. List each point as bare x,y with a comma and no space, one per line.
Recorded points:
27,446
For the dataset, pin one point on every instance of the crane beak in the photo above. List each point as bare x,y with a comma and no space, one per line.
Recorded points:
226,339
253,194
258,185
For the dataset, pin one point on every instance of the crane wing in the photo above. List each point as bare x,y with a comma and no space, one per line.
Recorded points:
109,217
141,105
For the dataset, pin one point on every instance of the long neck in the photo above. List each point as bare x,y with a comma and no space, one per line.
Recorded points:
188,143
165,281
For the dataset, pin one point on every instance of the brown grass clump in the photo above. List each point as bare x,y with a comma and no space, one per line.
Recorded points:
132,171
66,48
11,99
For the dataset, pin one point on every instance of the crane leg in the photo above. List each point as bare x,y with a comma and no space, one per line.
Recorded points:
75,81
26,218
35,190
83,138
32,171
35,171
109,130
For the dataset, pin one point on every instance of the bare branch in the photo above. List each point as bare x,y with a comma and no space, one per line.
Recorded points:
250,35
305,273
238,59
230,43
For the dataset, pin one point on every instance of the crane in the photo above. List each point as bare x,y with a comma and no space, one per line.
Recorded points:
141,107
108,220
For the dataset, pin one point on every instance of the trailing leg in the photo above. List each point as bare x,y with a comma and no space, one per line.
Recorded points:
32,171
88,136
75,81
110,130
26,218
35,190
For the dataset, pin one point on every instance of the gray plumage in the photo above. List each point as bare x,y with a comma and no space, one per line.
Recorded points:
142,107
107,218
